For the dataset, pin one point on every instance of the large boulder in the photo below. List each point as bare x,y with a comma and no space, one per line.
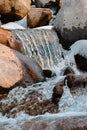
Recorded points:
12,10
57,92
16,68
38,17
71,22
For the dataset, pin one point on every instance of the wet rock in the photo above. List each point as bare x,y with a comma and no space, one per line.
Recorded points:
5,36
58,123
57,92
38,17
67,70
71,23
46,123
81,62
7,39
32,71
26,100
10,68
13,10
52,4
15,67
76,81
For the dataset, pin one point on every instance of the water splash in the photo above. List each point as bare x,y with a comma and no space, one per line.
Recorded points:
67,100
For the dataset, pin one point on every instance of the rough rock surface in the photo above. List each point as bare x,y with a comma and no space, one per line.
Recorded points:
63,123
12,10
5,37
76,81
15,67
38,17
10,68
71,23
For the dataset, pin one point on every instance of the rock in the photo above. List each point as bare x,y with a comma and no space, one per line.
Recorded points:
71,23
61,123
43,3
11,71
12,10
5,36
7,39
57,92
32,71
52,4
38,17
67,70
76,81
17,68
81,62
29,100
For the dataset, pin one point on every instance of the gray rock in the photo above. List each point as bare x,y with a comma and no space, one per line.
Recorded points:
71,22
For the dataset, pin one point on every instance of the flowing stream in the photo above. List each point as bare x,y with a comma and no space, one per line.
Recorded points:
44,47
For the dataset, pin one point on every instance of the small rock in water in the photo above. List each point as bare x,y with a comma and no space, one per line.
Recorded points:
57,92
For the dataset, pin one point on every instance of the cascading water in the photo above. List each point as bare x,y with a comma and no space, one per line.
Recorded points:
40,44
43,46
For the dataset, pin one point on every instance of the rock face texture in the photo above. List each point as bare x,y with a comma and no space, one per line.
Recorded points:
71,23
76,81
12,10
38,17
15,67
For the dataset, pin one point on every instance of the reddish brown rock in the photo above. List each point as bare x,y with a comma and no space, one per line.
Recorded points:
15,67
76,81
12,10
7,39
57,92
61,123
67,70
38,17
5,36
10,67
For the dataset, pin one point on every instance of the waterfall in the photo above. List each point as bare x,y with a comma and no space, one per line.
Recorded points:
40,44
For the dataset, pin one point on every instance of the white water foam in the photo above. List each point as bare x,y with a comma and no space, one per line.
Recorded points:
70,105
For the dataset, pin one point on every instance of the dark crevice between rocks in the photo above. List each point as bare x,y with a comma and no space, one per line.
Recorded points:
5,18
